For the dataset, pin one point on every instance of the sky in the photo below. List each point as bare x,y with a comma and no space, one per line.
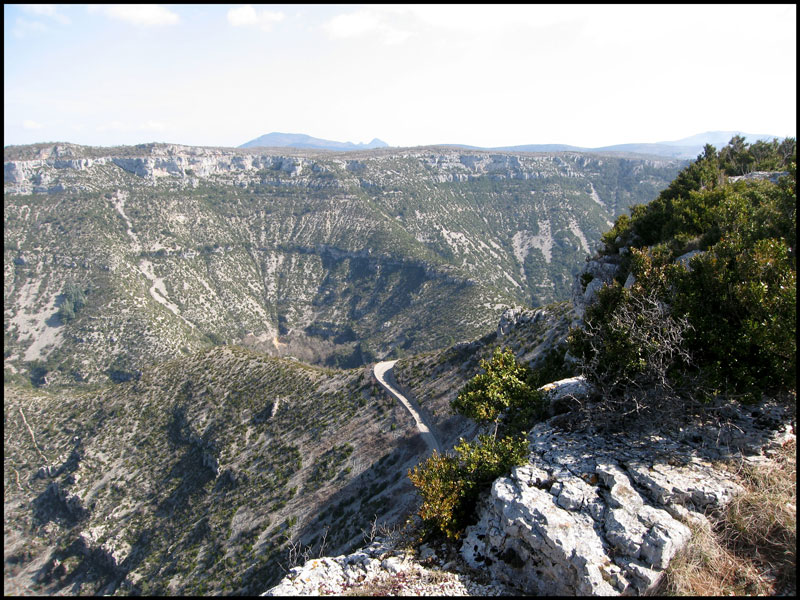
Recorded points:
410,75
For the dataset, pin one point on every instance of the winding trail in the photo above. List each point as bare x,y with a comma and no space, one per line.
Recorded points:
383,373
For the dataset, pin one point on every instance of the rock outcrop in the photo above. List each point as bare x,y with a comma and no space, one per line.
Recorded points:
514,316
378,569
772,176
604,515
594,274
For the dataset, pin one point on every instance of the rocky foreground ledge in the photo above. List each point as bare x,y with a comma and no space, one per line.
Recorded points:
588,515
382,569
604,514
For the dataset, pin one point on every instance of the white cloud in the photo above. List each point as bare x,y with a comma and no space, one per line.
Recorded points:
138,14
367,22
45,10
247,16
28,124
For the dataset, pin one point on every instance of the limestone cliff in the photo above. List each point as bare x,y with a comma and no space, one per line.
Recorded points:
333,258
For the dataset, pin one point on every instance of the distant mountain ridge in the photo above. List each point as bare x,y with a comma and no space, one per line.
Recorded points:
301,140
685,148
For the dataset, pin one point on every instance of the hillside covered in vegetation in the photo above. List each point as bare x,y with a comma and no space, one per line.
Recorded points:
697,314
119,258
210,472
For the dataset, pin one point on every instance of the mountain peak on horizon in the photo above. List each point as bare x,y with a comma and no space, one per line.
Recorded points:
301,140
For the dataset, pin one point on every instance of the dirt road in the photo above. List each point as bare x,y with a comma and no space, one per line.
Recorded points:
383,373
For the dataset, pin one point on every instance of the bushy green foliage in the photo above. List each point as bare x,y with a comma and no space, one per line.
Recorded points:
450,484
685,209
501,393
742,302
732,309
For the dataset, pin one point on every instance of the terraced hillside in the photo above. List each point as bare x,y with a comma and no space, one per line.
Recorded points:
116,258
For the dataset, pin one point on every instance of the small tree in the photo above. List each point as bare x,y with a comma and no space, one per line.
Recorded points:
441,486
503,388
450,484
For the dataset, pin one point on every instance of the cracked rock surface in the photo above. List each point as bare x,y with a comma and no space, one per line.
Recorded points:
604,514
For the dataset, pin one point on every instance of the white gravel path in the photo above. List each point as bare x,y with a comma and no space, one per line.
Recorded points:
383,373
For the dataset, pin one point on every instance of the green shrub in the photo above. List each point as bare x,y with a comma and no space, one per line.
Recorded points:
450,485
685,208
742,303
502,393
730,316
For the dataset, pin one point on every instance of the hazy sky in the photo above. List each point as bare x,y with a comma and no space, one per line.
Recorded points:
220,75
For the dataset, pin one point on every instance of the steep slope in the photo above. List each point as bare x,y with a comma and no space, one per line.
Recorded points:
336,259
191,480
213,473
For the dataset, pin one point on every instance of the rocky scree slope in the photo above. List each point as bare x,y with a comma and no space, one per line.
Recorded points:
336,259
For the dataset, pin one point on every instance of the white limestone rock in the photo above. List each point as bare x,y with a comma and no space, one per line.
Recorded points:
599,515
599,272
576,387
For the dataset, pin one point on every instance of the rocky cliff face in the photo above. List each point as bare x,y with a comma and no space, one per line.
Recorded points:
335,259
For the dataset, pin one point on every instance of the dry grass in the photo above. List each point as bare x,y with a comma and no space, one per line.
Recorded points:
751,548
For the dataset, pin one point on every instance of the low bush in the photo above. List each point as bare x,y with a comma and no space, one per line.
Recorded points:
450,484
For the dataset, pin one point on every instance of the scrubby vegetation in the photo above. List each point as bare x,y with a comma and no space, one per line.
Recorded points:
720,323
503,398
716,325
